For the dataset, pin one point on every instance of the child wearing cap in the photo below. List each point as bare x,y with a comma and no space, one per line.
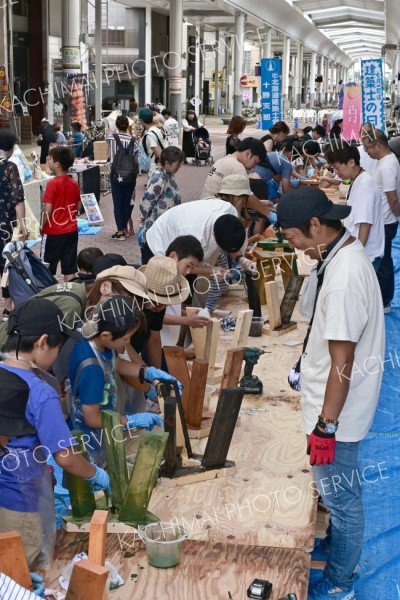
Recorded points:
32,425
94,364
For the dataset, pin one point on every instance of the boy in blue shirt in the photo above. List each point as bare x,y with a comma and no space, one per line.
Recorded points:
93,366
32,425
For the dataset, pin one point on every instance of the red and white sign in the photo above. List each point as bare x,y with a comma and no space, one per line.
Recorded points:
243,80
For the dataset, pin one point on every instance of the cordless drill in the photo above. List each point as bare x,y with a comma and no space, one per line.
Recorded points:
249,382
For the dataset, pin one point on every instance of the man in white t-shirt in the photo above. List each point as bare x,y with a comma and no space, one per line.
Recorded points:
171,128
153,137
340,373
365,222
387,175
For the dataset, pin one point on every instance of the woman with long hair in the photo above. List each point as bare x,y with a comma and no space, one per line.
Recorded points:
278,132
189,125
236,127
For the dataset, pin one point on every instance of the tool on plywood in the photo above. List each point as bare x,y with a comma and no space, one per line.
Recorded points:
181,465
259,588
251,384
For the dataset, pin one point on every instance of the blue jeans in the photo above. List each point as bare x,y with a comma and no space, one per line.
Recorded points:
122,195
340,490
385,272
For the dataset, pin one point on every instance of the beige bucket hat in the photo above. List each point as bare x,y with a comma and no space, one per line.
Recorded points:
165,285
132,279
237,185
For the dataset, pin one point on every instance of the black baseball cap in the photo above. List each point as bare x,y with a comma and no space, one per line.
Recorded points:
297,207
14,396
36,317
107,261
229,233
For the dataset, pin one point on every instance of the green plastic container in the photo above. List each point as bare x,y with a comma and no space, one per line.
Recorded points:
163,543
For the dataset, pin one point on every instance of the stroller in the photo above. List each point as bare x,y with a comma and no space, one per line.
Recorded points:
27,275
202,144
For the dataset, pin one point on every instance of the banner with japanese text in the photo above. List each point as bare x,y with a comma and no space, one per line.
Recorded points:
373,95
271,92
352,111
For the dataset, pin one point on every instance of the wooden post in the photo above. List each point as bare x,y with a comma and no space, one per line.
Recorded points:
114,447
290,297
198,334
80,491
273,306
197,393
97,540
177,367
12,559
88,580
143,478
210,353
232,368
219,441
243,324
170,427
253,294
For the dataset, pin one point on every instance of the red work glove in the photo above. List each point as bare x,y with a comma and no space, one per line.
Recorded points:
321,447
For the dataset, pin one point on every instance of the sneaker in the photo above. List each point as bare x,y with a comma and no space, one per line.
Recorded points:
118,236
319,555
387,309
323,589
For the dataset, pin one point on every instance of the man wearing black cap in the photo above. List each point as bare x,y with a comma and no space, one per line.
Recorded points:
32,425
340,372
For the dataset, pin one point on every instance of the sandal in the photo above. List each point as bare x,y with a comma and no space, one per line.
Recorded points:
118,236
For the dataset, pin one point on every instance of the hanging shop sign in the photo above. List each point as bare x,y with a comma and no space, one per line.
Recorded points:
71,58
271,91
249,81
372,87
352,111
175,84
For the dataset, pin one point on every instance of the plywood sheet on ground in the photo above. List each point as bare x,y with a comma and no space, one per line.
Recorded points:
206,570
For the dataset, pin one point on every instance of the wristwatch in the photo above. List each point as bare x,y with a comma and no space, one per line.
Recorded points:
328,425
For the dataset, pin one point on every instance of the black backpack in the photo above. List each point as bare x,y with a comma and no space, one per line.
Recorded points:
124,168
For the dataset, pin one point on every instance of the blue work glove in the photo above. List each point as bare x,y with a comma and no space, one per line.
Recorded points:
37,584
144,420
151,394
100,480
152,373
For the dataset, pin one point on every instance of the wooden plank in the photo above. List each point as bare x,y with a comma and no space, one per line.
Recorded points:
219,441
232,368
98,537
282,330
273,305
290,297
114,448
177,367
206,569
198,334
88,580
197,393
243,323
210,352
12,559
189,478
80,491
170,427
143,478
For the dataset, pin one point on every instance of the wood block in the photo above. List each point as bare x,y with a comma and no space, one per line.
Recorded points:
98,537
88,580
210,352
188,478
219,441
232,368
177,367
143,478
197,392
12,559
115,455
198,334
80,491
254,292
243,323
290,297
273,305
280,330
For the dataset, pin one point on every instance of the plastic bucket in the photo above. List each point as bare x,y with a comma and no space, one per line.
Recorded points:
163,543
256,326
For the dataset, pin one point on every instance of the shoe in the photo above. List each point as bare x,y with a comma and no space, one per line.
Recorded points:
387,309
323,589
319,555
118,236
6,315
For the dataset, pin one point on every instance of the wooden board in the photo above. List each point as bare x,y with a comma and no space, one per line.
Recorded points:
191,478
243,323
194,411
198,334
273,304
282,330
232,368
98,537
177,367
88,580
206,571
210,352
12,559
